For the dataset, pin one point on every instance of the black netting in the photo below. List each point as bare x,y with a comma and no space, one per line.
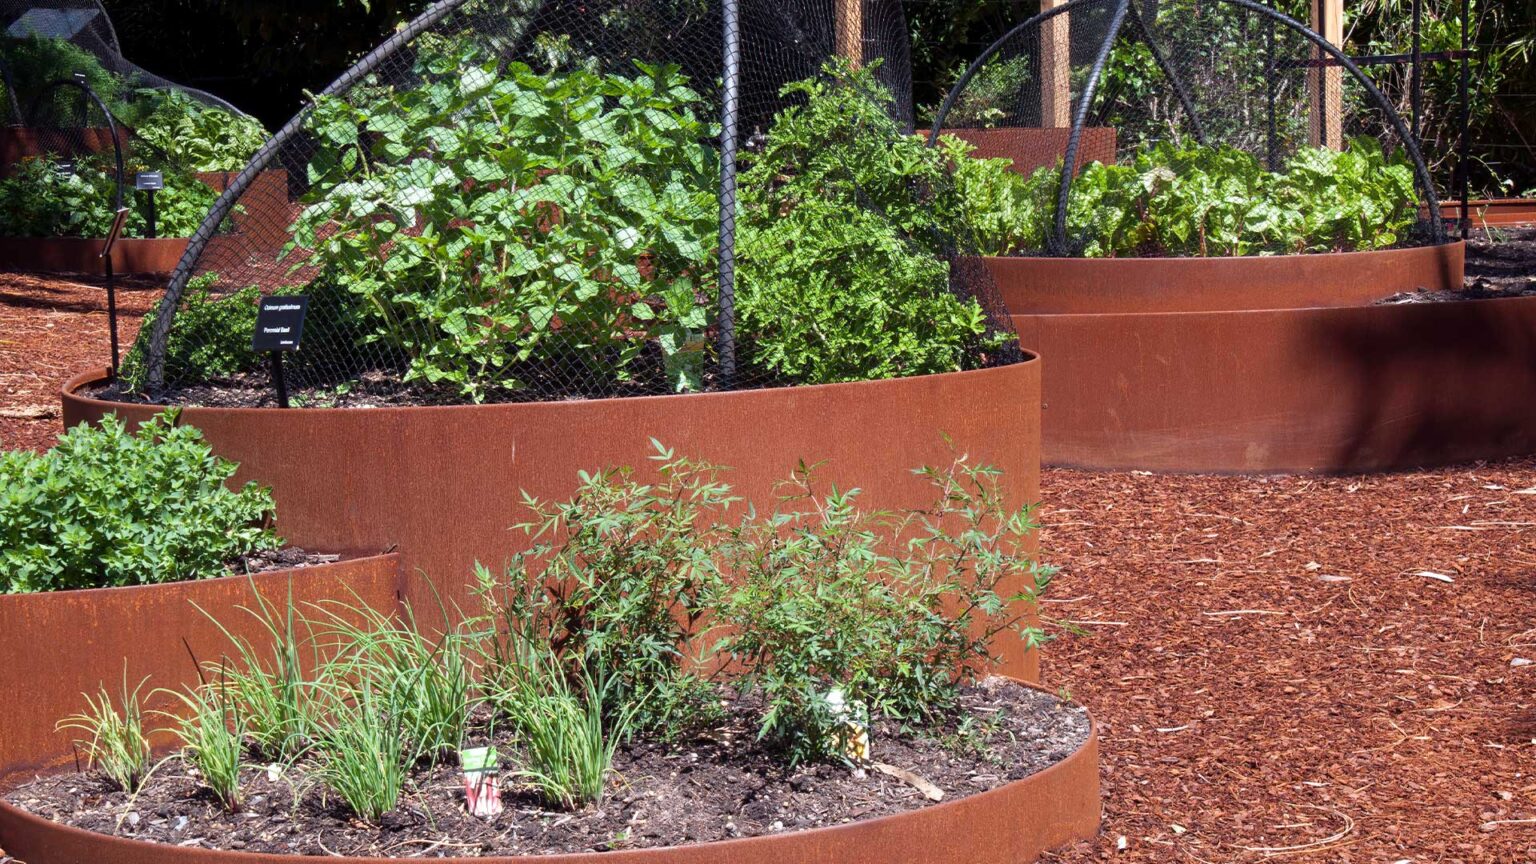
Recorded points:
517,200
1193,127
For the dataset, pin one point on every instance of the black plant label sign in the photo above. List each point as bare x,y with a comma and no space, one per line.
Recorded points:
149,181
279,324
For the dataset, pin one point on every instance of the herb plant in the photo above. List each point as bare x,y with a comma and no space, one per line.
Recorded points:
178,133
212,334
845,229
43,197
107,506
213,731
501,220
823,595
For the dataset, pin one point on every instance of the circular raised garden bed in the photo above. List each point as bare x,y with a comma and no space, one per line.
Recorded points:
1014,822
1273,364
444,484
57,645
265,202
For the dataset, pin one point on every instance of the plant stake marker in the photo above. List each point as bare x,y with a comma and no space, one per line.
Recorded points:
482,785
279,328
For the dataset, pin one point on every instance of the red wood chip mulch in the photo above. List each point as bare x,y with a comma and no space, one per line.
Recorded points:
1287,668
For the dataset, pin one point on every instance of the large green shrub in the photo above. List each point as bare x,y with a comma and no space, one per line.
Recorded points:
502,220
845,223
36,62
108,507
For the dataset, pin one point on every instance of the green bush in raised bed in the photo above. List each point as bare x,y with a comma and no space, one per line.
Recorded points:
108,507
846,232
45,198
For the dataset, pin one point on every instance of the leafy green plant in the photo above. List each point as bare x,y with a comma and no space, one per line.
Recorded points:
47,197
188,136
35,62
617,582
117,745
499,220
44,198
843,266
107,506
824,596
1199,200
212,334
212,729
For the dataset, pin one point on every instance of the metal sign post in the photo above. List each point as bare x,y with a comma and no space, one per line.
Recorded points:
118,221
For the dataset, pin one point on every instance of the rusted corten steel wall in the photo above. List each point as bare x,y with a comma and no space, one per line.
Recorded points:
443,485
1090,286
1009,825
1318,389
83,255
1492,212
1032,149
56,646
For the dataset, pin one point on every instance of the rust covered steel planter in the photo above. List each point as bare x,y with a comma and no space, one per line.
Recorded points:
1009,825
56,645
443,484
265,203
83,255
1494,212
1153,365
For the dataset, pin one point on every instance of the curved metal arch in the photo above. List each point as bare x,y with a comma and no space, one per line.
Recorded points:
9,84
221,209
1421,170
112,126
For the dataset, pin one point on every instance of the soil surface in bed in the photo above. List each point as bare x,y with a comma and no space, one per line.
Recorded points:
717,786
1501,262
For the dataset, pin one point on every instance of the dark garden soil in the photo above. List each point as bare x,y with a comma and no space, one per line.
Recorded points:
716,787
1501,262
286,558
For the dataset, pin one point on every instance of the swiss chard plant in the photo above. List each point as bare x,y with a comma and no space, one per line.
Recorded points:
502,222
1196,200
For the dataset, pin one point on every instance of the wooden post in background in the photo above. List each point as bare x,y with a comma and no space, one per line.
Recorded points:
850,30
1325,84
1055,68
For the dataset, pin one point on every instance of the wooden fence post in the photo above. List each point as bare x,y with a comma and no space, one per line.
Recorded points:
1325,84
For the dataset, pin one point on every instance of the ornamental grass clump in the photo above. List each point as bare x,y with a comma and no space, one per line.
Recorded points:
108,506
212,730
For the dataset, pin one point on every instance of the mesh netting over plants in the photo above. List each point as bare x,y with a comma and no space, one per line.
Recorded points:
84,122
519,200
1186,128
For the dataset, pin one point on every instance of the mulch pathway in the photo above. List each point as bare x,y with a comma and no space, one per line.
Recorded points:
1286,668
50,330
